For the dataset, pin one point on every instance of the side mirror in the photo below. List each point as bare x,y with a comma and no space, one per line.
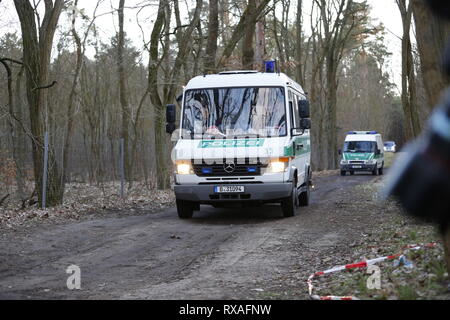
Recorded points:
170,128
303,109
171,114
305,124
340,152
377,151
171,117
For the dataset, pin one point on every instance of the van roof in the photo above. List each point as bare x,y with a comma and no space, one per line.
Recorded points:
362,137
242,78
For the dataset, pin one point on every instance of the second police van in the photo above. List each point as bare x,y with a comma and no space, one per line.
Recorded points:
363,151
243,139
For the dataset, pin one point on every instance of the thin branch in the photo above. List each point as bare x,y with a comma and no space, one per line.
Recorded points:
47,86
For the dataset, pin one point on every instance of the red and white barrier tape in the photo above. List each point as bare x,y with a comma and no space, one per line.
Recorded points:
362,264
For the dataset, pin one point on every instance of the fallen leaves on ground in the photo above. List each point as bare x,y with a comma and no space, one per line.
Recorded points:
81,199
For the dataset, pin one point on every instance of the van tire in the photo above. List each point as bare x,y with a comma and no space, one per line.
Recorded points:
352,173
185,209
343,173
289,204
375,172
303,198
380,171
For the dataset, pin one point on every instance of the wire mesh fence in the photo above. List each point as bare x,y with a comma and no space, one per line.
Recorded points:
107,164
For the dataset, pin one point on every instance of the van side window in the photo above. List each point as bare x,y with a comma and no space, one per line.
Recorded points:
295,120
291,108
296,114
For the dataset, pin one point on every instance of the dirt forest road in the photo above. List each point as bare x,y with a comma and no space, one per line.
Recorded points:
219,254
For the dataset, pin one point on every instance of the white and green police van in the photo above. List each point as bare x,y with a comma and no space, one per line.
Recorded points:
244,140
363,151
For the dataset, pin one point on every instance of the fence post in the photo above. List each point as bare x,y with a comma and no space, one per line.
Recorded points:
44,175
122,169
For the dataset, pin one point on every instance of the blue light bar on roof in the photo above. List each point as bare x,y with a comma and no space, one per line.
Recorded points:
372,132
270,66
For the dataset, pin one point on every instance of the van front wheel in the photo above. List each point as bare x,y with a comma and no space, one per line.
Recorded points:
185,209
289,204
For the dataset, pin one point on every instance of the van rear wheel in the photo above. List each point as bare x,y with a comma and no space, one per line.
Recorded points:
185,209
303,198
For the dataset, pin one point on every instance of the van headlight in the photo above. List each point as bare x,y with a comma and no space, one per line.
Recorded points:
278,165
183,168
344,162
371,161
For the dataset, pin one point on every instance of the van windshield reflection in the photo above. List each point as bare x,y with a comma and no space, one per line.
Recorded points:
234,113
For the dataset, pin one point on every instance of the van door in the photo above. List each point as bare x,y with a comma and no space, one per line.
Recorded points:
300,143
380,146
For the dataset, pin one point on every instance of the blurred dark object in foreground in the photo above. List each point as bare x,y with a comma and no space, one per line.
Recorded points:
440,8
420,178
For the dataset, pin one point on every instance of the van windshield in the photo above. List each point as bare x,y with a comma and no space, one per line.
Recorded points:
234,112
360,146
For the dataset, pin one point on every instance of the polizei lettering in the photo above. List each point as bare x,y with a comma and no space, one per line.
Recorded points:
247,309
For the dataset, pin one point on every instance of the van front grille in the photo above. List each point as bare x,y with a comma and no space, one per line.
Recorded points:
221,170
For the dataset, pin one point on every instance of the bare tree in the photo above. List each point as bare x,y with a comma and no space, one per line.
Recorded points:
37,46
246,21
340,24
409,91
17,143
123,92
299,42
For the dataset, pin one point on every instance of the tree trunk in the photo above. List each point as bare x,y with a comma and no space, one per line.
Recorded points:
15,141
213,34
299,42
432,34
409,101
71,102
248,52
161,161
123,93
260,43
36,58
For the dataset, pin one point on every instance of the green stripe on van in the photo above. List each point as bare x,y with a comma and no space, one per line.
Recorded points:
290,152
245,143
358,156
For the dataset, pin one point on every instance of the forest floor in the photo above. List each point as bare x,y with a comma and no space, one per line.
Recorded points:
146,252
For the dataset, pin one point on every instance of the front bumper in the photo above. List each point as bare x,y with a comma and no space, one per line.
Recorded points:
358,167
263,192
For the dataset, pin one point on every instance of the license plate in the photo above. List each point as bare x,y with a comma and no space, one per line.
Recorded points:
229,189
357,167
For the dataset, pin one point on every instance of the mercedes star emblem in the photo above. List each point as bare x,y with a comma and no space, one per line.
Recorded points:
229,167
